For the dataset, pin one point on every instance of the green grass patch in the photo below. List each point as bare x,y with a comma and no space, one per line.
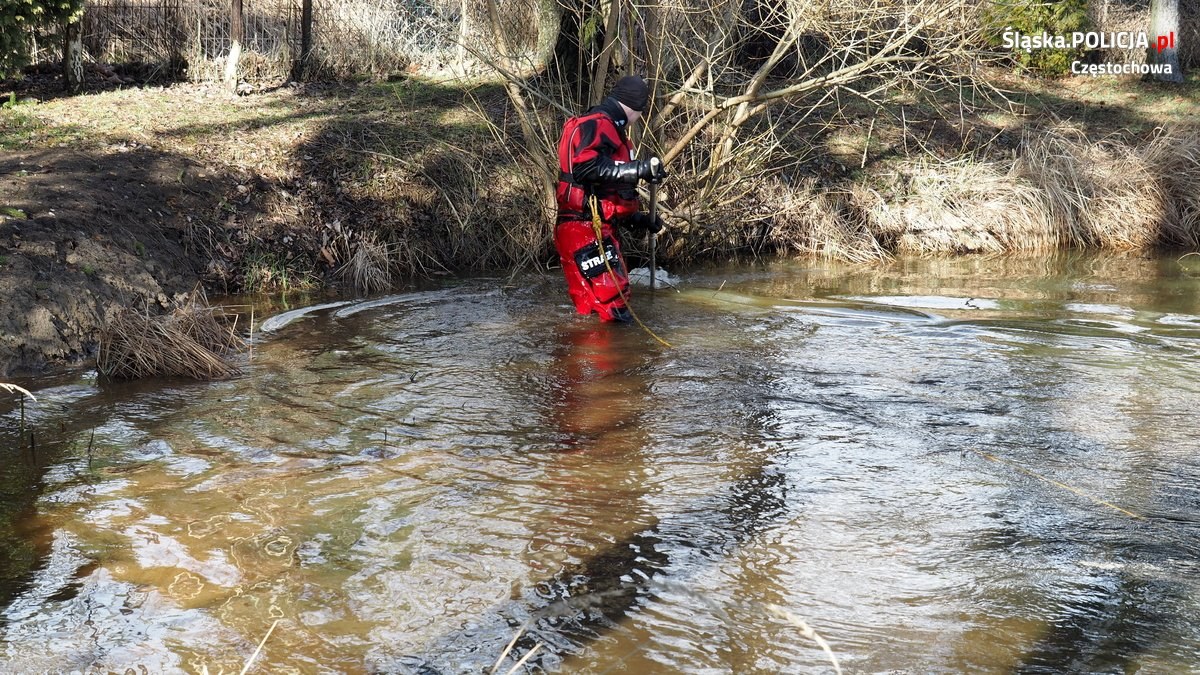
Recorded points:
266,271
13,212
11,101
414,92
20,129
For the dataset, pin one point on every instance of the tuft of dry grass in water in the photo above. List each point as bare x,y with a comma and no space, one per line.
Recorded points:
369,268
189,342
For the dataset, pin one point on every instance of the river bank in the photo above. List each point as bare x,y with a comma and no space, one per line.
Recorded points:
140,197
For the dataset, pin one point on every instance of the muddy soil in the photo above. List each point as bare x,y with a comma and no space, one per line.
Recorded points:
86,232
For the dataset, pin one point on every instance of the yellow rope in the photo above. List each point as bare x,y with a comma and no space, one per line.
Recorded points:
596,228
1051,481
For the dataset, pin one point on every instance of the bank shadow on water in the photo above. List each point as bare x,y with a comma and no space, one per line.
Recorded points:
599,406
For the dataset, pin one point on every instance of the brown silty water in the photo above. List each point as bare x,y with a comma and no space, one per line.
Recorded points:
937,466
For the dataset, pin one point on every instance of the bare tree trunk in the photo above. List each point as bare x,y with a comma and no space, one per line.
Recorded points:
549,19
600,75
73,54
1164,31
235,47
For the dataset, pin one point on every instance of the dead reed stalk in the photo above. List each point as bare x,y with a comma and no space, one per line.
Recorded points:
18,390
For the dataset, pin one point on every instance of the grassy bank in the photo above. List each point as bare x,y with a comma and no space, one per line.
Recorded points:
1086,163
361,186
430,178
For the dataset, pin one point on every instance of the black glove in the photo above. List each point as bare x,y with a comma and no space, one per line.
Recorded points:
611,172
604,169
651,169
641,222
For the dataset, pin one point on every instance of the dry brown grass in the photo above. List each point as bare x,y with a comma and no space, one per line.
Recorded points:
1099,194
964,206
811,221
369,269
1175,158
189,342
1062,189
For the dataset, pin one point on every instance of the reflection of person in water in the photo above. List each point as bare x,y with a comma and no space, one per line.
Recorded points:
599,553
598,402
597,485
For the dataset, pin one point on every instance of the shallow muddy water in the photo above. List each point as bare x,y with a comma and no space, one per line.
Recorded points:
938,466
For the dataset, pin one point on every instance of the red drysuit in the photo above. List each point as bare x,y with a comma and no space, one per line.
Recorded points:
595,158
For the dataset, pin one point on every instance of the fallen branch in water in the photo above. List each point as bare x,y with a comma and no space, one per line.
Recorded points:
246,668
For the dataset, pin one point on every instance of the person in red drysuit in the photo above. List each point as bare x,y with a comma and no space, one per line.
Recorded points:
596,166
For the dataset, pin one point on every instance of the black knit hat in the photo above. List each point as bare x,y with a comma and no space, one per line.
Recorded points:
632,91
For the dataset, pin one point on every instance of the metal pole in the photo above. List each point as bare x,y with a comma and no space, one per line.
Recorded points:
235,46
653,230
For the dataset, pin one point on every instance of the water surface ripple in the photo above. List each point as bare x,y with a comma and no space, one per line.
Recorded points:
940,466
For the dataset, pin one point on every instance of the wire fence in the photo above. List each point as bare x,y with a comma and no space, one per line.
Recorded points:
192,38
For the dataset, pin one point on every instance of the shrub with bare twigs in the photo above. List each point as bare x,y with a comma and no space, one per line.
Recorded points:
737,84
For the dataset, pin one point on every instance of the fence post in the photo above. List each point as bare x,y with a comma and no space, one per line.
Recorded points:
301,67
235,46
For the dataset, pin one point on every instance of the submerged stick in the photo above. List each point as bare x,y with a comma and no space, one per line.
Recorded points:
246,668
508,649
525,658
807,631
